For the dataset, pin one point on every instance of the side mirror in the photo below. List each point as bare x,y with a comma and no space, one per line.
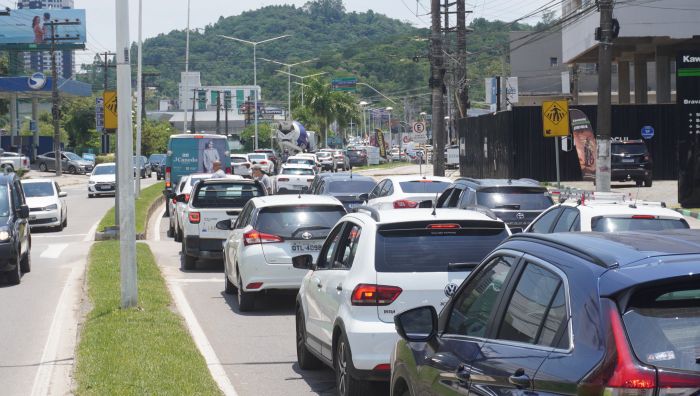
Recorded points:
169,194
363,197
23,212
428,203
305,262
417,324
225,225
62,194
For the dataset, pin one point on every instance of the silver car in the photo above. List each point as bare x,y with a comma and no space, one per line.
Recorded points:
70,162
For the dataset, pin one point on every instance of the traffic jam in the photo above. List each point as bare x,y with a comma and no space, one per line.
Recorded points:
442,286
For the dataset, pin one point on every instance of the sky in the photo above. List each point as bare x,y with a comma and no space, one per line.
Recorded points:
163,16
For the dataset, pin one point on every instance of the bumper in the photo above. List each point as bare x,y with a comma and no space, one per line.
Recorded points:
7,251
630,174
253,268
44,218
208,248
371,344
99,189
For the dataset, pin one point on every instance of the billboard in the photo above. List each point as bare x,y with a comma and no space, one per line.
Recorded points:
30,29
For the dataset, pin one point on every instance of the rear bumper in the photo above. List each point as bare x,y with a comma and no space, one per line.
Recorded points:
253,268
209,248
371,344
630,174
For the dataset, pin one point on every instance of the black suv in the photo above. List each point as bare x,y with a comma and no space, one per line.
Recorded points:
630,160
515,201
569,314
15,240
345,187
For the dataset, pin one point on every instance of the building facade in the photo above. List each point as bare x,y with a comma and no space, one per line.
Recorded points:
41,60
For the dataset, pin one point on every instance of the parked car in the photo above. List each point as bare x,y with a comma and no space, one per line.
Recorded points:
293,178
15,237
103,180
241,165
47,203
267,234
12,161
345,187
571,313
405,192
630,160
357,157
516,201
313,189
178,206
142,168
373,265
70,162
341,161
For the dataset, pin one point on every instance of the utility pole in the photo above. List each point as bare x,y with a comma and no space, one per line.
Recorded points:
462,93
602,175
187,68
218,112
127,230
437,86
194,103
139,99
227,106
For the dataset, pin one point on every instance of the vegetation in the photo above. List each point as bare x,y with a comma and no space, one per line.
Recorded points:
146,198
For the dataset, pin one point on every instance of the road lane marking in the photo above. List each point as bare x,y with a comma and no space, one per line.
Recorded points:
34,236
54,250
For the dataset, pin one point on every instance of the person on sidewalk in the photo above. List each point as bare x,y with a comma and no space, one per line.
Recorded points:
262,178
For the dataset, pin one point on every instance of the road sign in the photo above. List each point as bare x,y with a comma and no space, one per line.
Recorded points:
647,132
346,84
419,134
99,114
555,118
110,110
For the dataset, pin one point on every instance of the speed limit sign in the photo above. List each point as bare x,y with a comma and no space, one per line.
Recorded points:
419,134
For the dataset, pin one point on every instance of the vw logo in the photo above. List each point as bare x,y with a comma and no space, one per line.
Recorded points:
450,289
37,81
307,235
520,216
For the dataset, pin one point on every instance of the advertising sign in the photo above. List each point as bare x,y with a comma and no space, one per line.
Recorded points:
555,118
110,110
99,114
512,92
688,100
30,29
584,140
381,144
211,150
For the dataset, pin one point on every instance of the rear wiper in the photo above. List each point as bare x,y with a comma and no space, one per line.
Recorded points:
513,206
461,266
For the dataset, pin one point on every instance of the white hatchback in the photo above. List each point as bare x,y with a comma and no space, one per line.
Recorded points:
406,192
47,203
293,178
103,180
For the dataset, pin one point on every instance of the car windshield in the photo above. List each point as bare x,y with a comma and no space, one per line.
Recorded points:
640,223
298,171
156,158
291,222
633,149
139,161
351,186
257,156
225,195
4,202
324,154
104,170
423,186
72,156
515,198
416,248
42,189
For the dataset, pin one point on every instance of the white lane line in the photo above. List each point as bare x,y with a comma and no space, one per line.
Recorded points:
54,251
91,233
34,236
196,280
200,339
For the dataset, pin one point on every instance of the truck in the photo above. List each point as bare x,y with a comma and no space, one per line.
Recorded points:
292,136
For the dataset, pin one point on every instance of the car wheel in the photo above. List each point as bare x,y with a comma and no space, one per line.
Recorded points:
73,170
91,195
305,359
157,176
345,384
647,182
15,276
178,235
8,167
171,231
639,183
65,222
43,167
246,300
229,288
26,264
188,262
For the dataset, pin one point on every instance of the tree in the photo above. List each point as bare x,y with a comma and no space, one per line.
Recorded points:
154,137
264,136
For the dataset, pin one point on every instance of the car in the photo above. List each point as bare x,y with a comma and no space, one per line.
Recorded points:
262,159
70,162
373,265
178,207
160,169
325,158
630,160
47,203
15,236
213,201
357,156
103,180
293,178
516,201
568,313
397,155
156,159
241,165
345,187
268,233
405,192
142,168
341,161
272,155
313,189
304,160
12,161
607,216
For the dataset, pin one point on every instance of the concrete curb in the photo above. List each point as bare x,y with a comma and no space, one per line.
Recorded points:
688,213
112,233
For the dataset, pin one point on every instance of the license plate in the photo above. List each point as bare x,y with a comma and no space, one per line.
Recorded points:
306,247
628,160
299,186
354,205
32,217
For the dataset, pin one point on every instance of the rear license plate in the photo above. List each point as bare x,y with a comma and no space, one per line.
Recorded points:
354,205
306,247
299,186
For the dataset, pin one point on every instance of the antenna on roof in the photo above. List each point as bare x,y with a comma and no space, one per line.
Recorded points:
435,205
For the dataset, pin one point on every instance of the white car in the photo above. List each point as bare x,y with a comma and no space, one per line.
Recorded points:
374,265
325,159
213,201
293,178
240,164
12,161
404,192
47,203
178,206
103,180
303,159
268,233
262,159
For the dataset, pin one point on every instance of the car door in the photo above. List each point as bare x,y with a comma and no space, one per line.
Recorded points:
61,200
233,243
21,225
50,160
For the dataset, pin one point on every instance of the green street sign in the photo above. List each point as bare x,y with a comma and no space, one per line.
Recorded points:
345,84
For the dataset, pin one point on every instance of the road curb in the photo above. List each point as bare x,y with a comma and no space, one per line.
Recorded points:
688,213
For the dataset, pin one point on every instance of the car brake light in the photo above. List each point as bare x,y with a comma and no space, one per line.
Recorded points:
382,367
198,137
405,204
227,171
194,217
263,162
647,217
366,294
445,226
253,237
283,179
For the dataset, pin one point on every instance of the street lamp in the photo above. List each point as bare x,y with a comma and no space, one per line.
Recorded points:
255,72
289,82
302,81
363,105
375,90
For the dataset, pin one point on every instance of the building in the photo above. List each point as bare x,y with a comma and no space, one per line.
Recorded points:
41,60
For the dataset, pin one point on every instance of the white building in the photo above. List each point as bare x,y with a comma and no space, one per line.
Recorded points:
191,82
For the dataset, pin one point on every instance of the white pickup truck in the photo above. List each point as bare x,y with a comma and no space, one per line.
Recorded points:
12,161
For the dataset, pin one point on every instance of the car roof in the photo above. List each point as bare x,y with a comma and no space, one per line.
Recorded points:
390,216
291,200
198,175
105,164
347,177
407,178
30,181
592,208
304,156
500,182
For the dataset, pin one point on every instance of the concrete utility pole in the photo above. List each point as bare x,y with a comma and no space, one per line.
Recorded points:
127,230
139,99
462,93
602,175
55,109
187,66
437,86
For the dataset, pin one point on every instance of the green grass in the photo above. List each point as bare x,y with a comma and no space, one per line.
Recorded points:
144,351
386,165
147,196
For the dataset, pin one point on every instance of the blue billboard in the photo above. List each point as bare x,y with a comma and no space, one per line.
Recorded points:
30,29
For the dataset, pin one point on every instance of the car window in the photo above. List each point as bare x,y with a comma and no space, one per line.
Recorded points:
350,186
530,304
327,252
348,247
39,189
4,201
244,218
629,148
104,170
468,198
298,171
377,189
16,198
388,189
453,199
294,221
444,198
635,223
50,155
544,223
423,186
515,198
472,310
225,195
568,221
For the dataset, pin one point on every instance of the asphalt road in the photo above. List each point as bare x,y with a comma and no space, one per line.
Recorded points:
39,317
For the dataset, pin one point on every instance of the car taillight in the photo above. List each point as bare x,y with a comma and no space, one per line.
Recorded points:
228,171
382,367
194,217
405,204
253,237
254,285
283,179
444,226
366,294
167,177
263,162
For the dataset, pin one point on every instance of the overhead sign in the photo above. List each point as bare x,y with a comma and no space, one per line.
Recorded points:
110,110
30,29
36,81
347,84
647,132
555,118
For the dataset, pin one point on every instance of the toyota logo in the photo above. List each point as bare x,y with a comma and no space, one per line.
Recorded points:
520,216
307,235
450,289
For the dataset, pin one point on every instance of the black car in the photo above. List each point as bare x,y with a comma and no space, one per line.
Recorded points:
15,239
347,188
515,201
630,160
357,157
564,314
159,167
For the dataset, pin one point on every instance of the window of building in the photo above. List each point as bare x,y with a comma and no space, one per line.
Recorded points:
553,61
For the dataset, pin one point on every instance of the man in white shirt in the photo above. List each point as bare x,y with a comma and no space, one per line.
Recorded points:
262,178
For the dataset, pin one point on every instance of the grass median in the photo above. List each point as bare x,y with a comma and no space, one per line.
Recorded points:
146,198
143,351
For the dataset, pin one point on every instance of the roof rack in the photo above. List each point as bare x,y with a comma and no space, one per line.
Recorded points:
547,239
374,213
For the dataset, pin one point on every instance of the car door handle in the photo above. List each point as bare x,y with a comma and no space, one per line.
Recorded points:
339,287
462,373
520,379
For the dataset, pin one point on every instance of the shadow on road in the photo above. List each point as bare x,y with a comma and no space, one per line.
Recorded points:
269,303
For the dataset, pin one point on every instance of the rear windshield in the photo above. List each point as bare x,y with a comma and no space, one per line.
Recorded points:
418,249
664,326
351,186
617,224
292,221
257,156
297,171
225,195
324,154
355,152
423,186
300,161
38,189
515,198
238,160
635,149
4,202
156,158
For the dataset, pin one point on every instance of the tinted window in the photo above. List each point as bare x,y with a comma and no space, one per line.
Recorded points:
568,221
38,189
634,149
225,195
300,161
417,249
104,170
328,251
50,155
472,309
350,186
16,198
238,160
297,171
292,221
516,198
551,329
617,224
257,157
156,158
544,223
348,248
4,202
423,186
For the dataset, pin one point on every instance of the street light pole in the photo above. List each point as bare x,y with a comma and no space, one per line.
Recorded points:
289,80
139,98
302,81
187,67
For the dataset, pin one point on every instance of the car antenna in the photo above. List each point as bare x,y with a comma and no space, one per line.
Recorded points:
435,205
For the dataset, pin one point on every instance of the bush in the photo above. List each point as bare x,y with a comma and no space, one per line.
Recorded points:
101,159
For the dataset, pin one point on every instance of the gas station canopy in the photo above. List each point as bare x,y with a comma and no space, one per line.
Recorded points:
38,86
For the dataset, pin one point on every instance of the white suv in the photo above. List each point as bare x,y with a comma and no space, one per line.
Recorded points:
374,265
405,192
293,178
179,204
268,233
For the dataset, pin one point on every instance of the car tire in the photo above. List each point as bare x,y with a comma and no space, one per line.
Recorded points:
65,222
345,384
43,167
178,235
171,232
246,300
229,288
14,277
648,182
25,265
188,262
305,359
73,170
639,183
91,195
8,167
